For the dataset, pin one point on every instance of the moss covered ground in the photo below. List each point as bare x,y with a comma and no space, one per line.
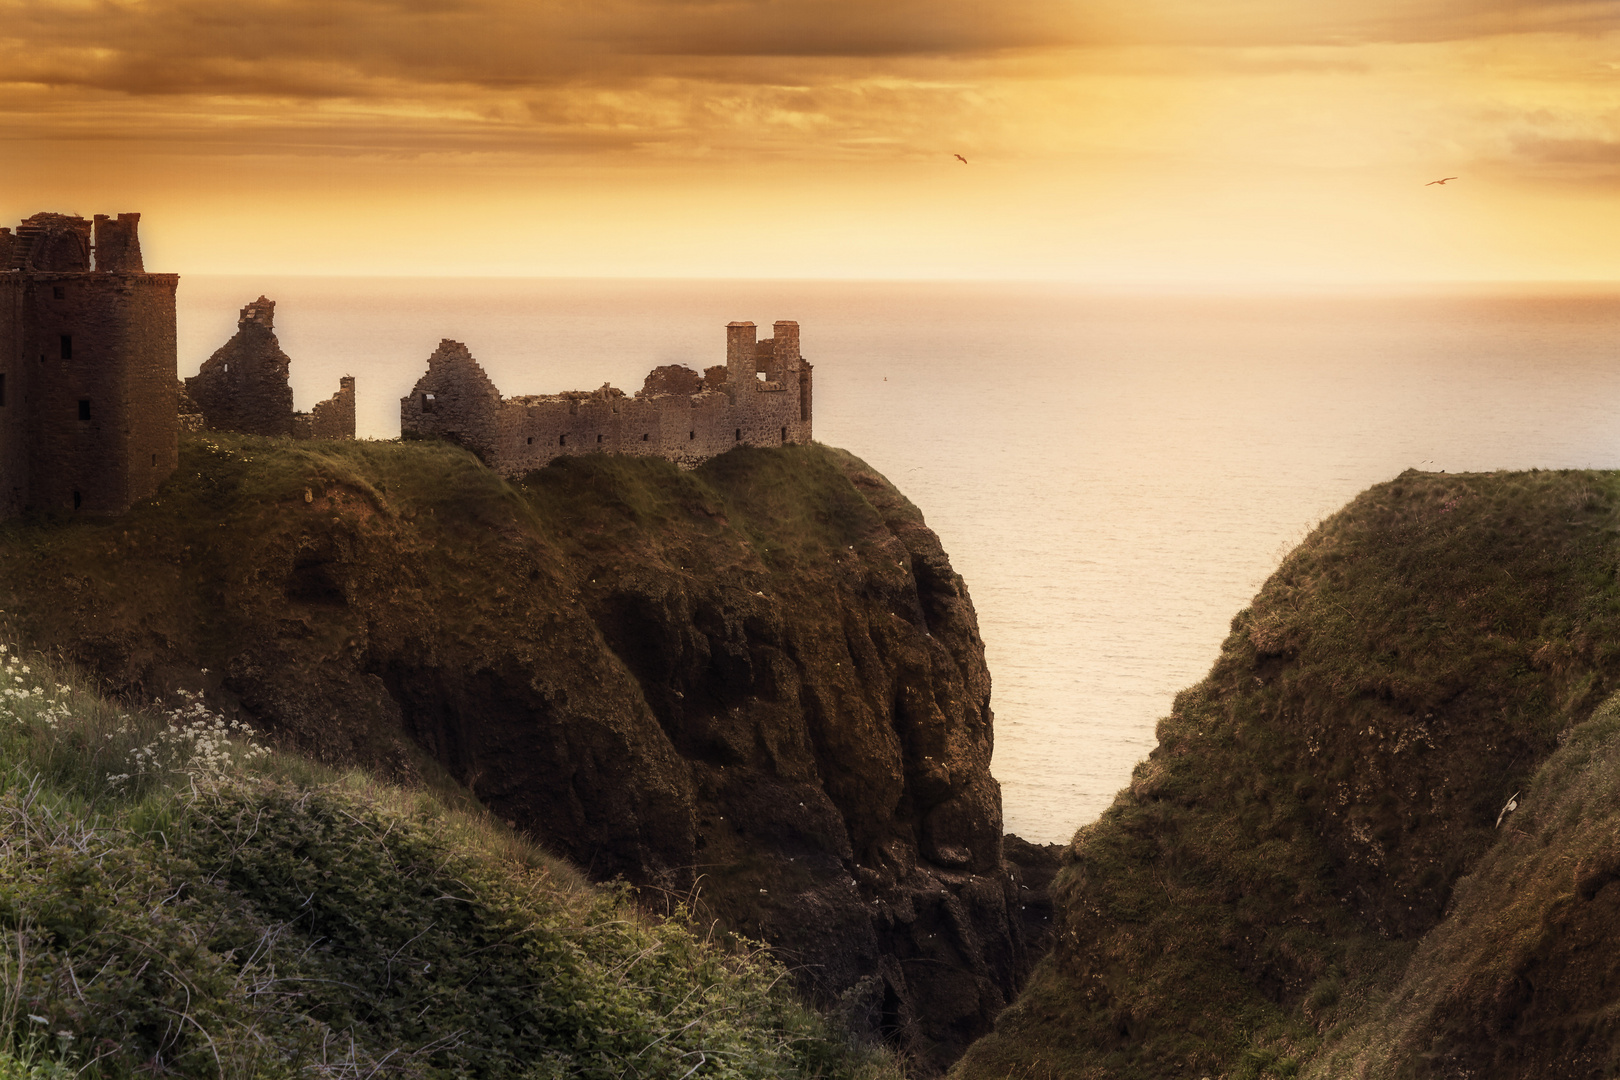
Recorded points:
1307,876
176,900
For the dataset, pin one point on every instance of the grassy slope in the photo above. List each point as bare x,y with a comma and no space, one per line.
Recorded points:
1253,900
1519,979
176,902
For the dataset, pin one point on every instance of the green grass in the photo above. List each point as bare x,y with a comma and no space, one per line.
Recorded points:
176,900
1260,888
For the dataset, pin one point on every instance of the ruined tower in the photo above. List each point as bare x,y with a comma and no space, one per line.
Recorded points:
87,365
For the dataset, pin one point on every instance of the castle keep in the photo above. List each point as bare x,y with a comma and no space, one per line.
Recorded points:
87,363
759,397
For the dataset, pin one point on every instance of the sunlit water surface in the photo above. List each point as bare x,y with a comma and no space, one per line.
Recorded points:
1114,475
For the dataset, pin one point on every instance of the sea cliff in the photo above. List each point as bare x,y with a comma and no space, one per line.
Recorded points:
756,687
1378,839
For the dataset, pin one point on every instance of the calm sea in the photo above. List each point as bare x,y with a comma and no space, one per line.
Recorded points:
1114,474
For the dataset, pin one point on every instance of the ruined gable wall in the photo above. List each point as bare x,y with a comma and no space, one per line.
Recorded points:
454,400
243,386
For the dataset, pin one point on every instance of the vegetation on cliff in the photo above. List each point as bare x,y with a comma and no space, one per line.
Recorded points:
1307,878
758,683
177,900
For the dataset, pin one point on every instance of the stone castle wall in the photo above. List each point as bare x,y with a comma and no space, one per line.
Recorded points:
329,419
760,397
87,358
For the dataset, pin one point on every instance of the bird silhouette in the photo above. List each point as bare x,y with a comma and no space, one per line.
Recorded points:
1431,183
960,158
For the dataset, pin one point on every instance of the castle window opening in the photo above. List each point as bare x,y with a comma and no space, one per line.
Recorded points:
599,438
691,434
530,442
154,459
428,401
78,500
84,408
227,367
67,346
562,440
739,434
644,438
58,293
762,376
784,435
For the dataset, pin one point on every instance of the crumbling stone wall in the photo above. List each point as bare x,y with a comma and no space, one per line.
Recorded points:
330,419
87,357
760,397
190,415
244,386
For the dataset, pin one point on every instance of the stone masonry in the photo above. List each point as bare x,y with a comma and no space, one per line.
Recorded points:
87,362
759,397
243,386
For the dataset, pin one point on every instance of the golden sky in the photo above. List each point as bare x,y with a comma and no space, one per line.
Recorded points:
1121,141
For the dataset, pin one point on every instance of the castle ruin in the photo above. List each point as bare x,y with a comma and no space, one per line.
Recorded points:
243,386
90,409
761,396
87,364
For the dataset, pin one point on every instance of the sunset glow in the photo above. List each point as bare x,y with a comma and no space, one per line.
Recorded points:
1165,141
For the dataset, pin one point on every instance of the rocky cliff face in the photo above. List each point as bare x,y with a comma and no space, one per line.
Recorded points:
1314,875
758,686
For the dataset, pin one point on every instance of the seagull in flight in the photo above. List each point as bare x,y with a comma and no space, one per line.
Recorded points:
1431,183
963,160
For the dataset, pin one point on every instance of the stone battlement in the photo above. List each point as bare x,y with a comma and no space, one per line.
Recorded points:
759,397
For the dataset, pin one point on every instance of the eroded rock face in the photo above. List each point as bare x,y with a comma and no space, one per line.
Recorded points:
759,686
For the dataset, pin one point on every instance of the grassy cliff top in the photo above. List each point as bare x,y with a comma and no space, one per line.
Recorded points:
1306,876
177,900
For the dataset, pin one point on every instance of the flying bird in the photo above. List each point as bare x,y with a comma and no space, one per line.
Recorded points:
960,158
1431,183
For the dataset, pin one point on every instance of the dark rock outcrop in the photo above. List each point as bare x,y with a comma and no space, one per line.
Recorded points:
758,686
